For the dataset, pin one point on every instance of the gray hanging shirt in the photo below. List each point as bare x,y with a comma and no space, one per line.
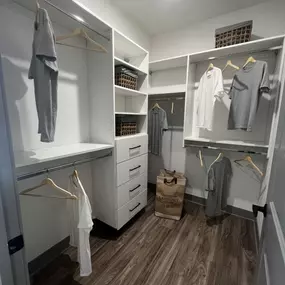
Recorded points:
218,186
44,71
248,85
157,122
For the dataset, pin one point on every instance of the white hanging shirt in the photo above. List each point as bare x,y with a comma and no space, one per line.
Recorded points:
81,225
210,88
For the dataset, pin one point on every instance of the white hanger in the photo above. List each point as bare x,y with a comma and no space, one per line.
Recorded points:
79,32
217,159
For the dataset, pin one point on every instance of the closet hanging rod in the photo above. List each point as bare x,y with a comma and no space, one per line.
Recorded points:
273,49
225,149
74,18
166,99
59,167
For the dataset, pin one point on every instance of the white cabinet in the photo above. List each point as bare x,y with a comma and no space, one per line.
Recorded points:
129,148
131,189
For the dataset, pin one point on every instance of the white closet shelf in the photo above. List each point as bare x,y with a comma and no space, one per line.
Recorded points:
127,48
168,63
131,136
130,113
119,61
127,92
26,158
253,46
171,89
227,144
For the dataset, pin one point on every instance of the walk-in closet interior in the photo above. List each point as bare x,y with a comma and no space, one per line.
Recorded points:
135,151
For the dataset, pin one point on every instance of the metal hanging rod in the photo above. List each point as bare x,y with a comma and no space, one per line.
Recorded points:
59,167
273,49
226,149
86,25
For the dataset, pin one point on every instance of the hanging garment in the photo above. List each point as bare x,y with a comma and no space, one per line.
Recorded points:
210,88
248,85
157,123
217,186
44,71
81,225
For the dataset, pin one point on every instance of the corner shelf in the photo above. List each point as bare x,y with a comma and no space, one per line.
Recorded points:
59,152
171,89
131,113
127,92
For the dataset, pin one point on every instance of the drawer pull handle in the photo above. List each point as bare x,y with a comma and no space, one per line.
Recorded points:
135,188
131,148
135,168
135,207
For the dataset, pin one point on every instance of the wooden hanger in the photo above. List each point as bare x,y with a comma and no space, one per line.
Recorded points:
249,60
229,63
80,33
201,158
211,66
48,182
217,159
156,106
249,159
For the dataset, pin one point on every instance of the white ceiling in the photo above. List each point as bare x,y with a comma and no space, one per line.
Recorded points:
158,16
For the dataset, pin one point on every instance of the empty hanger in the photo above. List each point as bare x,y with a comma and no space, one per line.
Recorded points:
249,159
80,33
48,182
201,158
229,63
249,60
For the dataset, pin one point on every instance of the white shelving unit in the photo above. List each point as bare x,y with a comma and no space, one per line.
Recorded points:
257,140
117,204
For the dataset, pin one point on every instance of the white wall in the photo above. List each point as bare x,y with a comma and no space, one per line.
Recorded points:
268,20
118,20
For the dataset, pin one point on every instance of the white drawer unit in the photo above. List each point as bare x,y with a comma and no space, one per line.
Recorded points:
131,169
130,147
131,189
129,210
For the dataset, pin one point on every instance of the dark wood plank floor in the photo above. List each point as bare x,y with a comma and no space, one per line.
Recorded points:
161,252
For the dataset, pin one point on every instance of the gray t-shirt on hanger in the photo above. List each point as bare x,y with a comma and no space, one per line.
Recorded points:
218,181
248,85
157,122
44,71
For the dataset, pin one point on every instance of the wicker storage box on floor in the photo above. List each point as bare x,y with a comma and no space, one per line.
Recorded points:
126,78
234,34
170,189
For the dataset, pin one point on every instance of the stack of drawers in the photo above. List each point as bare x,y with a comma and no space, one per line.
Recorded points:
131,176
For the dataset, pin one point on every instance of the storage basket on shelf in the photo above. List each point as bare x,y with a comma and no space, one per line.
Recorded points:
234,34
125,126
170,189
126,77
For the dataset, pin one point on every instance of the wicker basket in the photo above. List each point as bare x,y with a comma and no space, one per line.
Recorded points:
126,78
125,126
234,34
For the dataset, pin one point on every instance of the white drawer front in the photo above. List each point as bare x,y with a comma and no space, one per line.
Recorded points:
131,189
128,211
131,169
128,148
